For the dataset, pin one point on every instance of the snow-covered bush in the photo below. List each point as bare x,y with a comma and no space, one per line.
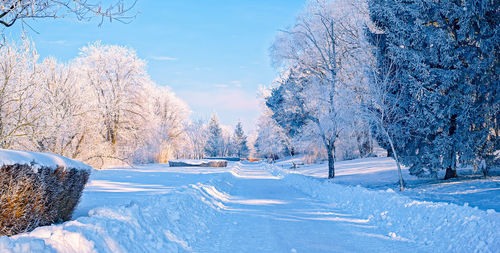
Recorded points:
38,189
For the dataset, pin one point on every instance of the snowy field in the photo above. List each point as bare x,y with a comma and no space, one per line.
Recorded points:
256,207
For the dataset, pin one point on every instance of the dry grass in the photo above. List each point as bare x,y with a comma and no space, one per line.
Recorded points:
29,199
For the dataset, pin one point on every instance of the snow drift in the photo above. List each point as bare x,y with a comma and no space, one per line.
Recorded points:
168,223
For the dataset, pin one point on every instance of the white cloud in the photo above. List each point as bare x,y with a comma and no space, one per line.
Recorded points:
56,42
221,85
236,83
232,84
203,68
164,58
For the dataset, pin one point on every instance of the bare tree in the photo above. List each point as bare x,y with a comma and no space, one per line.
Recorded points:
381,110
20,10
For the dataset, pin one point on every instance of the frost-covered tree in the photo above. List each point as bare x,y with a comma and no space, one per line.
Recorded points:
117,78
64,125
99,108
316,54
271,142
196,140
228,145
382,113
446,57
286,107
215,142
18,94
308,96
21,10
240,141
164,135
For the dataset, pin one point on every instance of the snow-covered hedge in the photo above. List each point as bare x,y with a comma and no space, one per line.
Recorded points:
38,189
197,163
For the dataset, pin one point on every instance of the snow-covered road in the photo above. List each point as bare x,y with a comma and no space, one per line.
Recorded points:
254,207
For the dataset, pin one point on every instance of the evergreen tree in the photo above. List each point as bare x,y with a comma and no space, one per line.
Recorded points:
240,141
445,56
215,142
287,107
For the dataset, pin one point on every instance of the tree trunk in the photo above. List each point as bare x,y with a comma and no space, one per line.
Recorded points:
395,155
390,153
331,162
451,171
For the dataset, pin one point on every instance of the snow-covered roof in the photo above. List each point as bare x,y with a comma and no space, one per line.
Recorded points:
37,159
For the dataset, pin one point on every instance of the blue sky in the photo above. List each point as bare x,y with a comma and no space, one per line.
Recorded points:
213,54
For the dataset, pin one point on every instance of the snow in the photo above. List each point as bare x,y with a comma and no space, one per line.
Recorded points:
442,226
476,192
368,172
381,173
147,226
255,207
38,160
